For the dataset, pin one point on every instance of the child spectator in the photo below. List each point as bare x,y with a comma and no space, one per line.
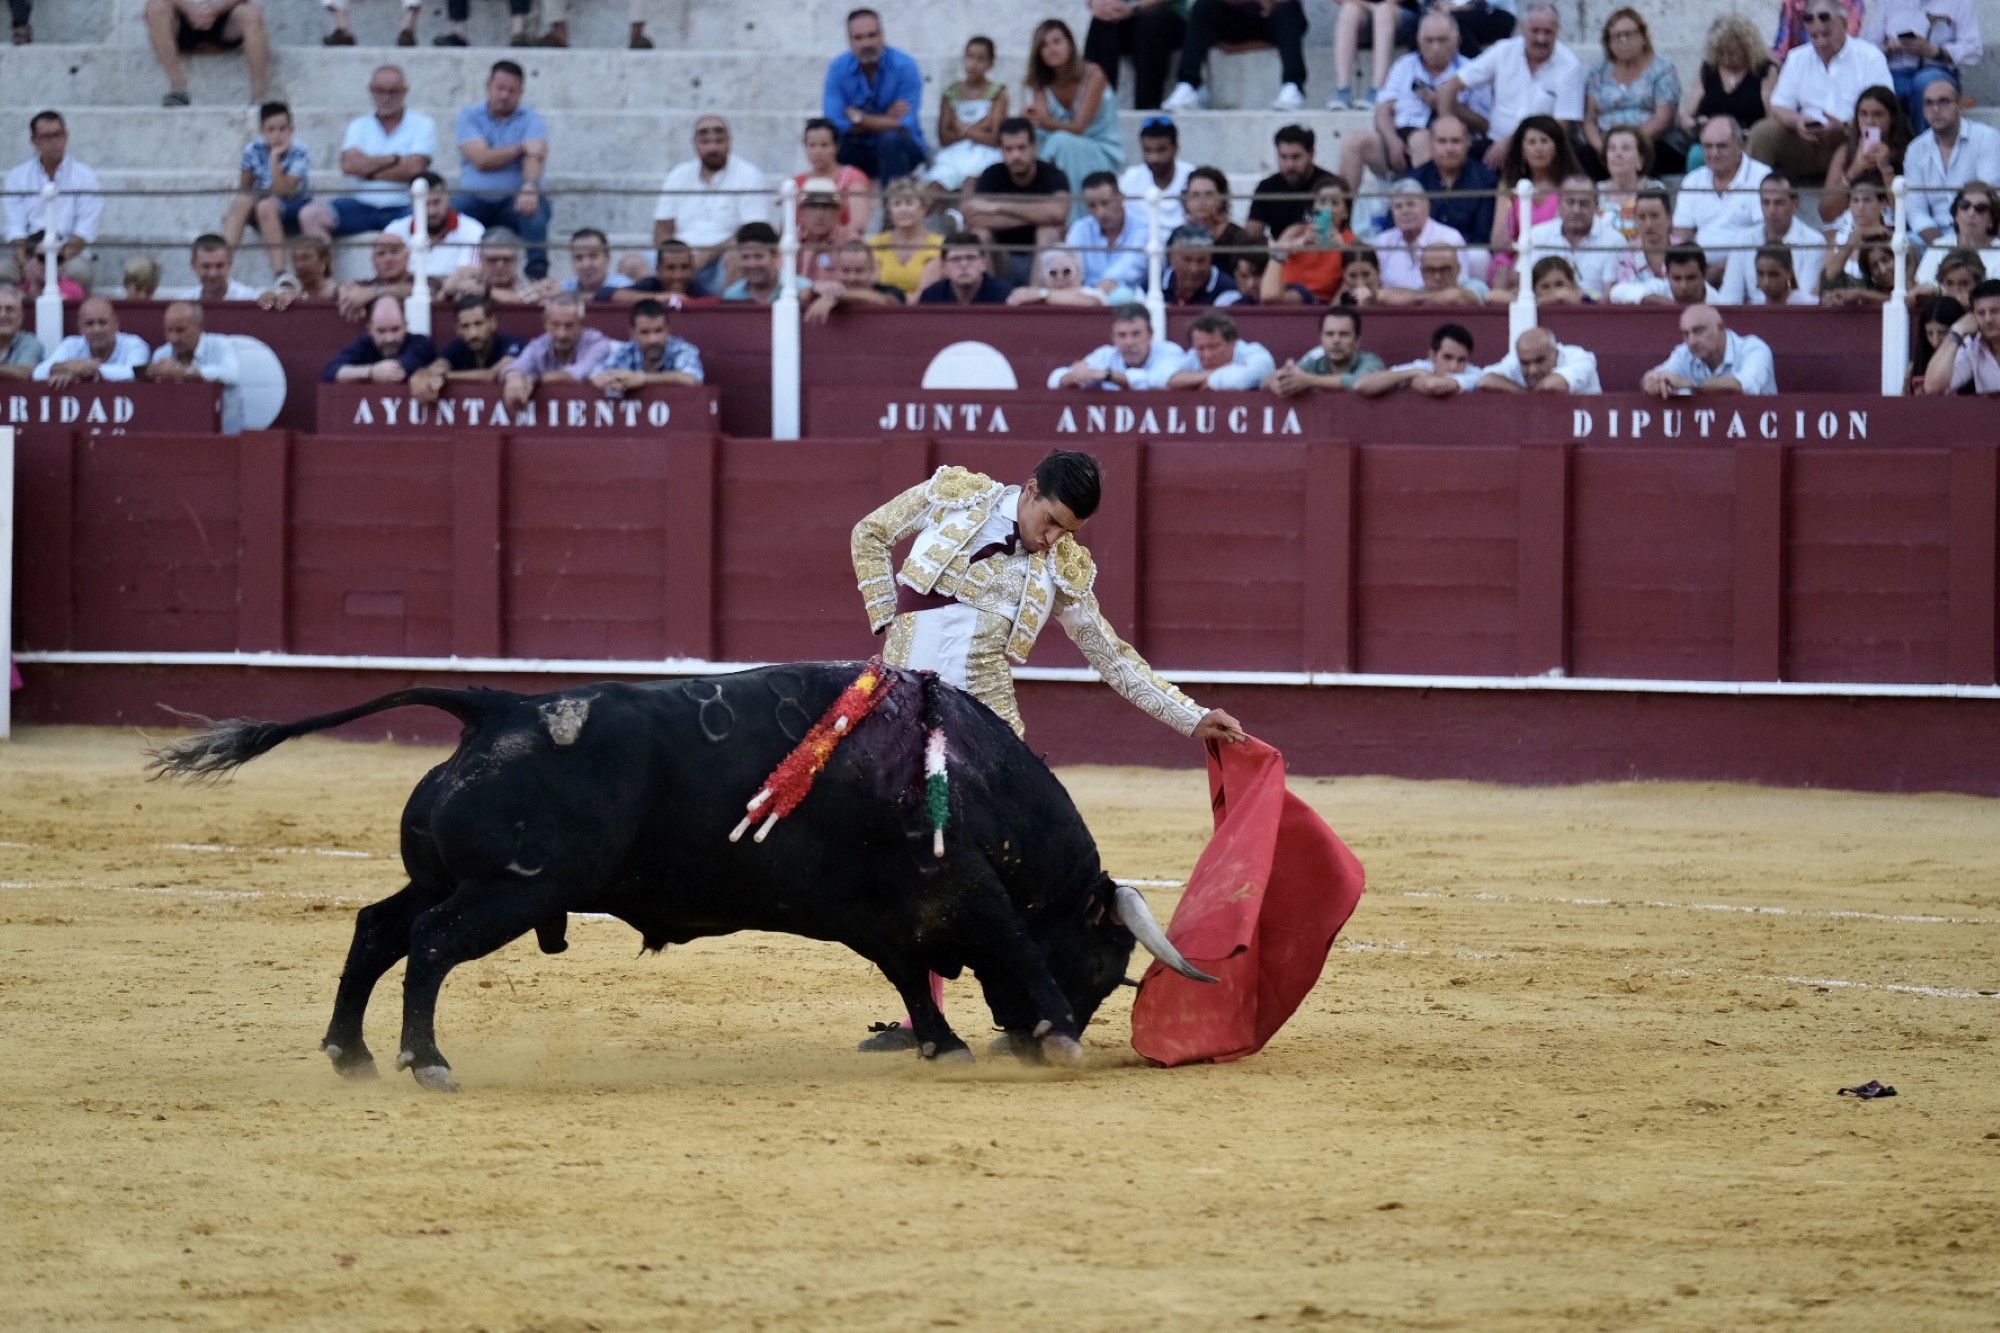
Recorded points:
273,184
969,116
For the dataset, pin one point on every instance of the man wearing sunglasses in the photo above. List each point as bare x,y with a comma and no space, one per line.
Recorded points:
1952,153
1815,96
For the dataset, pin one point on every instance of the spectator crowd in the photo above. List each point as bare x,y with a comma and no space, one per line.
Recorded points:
1767,176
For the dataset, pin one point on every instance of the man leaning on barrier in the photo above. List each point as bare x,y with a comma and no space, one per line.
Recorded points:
96,351
388,353
1339,362
568,351
1447,371
653,355
1712,359
1133,359
1968,360
1218,358
480,353
1540,364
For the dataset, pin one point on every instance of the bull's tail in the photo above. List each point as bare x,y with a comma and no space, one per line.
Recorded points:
218,750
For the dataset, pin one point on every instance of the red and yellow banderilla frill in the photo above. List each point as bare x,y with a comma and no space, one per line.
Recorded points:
793,778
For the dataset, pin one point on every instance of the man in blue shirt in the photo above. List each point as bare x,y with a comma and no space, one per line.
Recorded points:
1109,240
965,280
1461,188
504,148
873,96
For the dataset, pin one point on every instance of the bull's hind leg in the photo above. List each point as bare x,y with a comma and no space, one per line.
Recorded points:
481,917
381,938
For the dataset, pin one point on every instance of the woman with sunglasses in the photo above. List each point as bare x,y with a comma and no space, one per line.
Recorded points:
1973,213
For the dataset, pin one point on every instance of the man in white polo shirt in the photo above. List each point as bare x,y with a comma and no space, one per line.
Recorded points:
1780,224
1718,200
1954,151
1531,75
1712,359
705,199
1580,234
1540,364
1815,96
381,154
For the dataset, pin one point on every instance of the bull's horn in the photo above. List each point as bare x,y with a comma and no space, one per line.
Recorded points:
1138,919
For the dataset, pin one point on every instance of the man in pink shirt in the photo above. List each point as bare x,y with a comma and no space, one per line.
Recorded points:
566,352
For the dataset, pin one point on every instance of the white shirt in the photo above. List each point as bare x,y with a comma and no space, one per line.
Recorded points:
1718,218
129,351
415,134
1121,259
1163,360
1595,259
1576,364
215,361
459,248
1825,91
1250,367
238,291
1636,290
1933,183
1951,25
1748,358
1409,75
1927,267
78,205
1400,259
1139,178
1739,273
1556,89
1467,379
702,210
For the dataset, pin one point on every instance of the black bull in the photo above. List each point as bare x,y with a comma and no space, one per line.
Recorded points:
619,798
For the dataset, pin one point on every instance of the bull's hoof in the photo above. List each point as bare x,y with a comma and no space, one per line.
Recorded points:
357,1063
1060,1049
1017,1044
437,1078
957,1053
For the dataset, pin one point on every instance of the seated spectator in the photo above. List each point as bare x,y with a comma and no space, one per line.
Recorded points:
1195,278
1736,80
1110,240
1973,212
381,153
1160,166
1149,32
1968,360
1687,277
498,277
1540,154
1360,278
24,29
1580,234
1777,279
340,34
1554,282
454,237
673,272
1217,358
1280,22
1305,262
1388,25
1540,364
1462,189
1876,284
854,193
590,266
190,354
707,199
1408,107
1205,204
390,258
653,355
1446,371
874,96
1440,281
142,279
1020,204
818,229
1285,196
1817,87
1633,86
480,353
1780,224
1251,266
1957,273
1717,201
1480,23
1934,320
1531,75
212,260
555,13
273,185
459,12
34,273
1628,156
1133,359
1074,118
388,353
1059,281
567,351
79,206
1925,42
503,148
20,350
1337,363
907,255
969,116
853,283
1712,359
1866,219
1953,152
965,280
198,27
1795,25
756,265
1641,273
309,278
96,351
1876,141
1412,230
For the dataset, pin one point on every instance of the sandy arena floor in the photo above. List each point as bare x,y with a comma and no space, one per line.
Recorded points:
1574,1066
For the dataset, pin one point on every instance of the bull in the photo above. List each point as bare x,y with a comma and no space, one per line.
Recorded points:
619,799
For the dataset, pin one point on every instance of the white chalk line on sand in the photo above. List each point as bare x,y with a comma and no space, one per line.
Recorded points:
1750,909
213,848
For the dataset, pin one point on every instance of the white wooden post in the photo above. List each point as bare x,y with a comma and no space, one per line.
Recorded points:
1521,313
417,305
1896,310
785,370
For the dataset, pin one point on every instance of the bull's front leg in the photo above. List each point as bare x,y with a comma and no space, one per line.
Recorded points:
935,1039
483,915
381,938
